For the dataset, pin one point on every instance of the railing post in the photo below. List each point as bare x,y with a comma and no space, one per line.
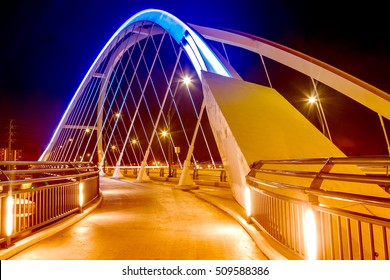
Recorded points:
317,181
195,175
174,172
222,177
313,200
81,195
5,231
80,188
7,211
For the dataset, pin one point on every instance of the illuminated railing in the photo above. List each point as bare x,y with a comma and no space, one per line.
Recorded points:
202,173
309,220
34,194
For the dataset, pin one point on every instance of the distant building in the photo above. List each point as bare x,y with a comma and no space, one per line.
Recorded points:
16,155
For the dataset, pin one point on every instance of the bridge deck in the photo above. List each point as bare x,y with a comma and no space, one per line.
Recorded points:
153,221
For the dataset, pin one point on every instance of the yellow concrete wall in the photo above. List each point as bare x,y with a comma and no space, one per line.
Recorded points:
265,126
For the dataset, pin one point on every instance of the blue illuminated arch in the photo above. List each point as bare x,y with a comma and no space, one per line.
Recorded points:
201,56
199,53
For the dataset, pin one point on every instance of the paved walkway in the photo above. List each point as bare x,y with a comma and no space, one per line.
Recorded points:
152,221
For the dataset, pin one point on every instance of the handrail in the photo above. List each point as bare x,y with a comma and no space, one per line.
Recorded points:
55,173
331,160
344,231
355,198
359,178
43,192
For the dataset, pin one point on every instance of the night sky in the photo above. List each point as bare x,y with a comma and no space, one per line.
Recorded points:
47,46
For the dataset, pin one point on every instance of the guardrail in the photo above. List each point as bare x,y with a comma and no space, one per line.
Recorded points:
34,194
311,219
157,172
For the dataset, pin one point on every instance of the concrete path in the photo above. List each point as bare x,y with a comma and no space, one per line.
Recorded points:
151,221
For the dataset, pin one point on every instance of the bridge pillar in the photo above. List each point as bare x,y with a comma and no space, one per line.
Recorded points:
185,177
142,175
117,172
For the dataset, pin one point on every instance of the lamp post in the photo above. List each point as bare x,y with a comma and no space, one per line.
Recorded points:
321,116
187,81
134,142
166,135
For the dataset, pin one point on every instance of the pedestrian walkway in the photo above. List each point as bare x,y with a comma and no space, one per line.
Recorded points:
152,221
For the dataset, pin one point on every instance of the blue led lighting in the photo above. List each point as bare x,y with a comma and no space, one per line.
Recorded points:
201,54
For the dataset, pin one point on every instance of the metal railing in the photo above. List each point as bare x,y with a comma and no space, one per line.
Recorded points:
34,194
157,172
312,218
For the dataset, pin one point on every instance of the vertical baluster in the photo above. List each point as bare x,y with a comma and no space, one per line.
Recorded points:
385,243
360,240
372,243
323,235
349,239
268,215
287,225
294,227
332,245
298,229
340,237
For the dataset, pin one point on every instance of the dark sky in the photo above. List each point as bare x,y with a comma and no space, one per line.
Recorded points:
47,46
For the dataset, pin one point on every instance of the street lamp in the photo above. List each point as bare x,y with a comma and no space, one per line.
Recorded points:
186,80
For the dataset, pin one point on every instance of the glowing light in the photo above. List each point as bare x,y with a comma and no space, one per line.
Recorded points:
164,133
310,235
312,99
117,115
248,206
81,194
187,80
9,216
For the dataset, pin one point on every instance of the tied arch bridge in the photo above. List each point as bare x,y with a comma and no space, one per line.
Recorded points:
180,100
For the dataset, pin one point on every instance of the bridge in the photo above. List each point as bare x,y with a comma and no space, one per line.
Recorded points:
192,106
